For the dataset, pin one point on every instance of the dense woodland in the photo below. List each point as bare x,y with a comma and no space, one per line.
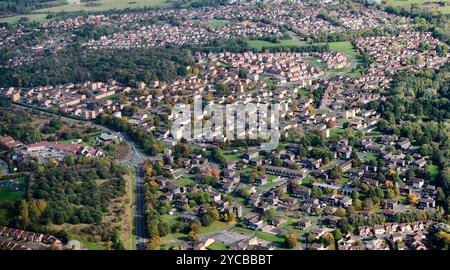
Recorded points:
78,65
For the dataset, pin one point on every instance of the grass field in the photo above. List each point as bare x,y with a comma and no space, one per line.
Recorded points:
214,227
433,170
184,181
7,195
431,4
343,47
336,132
40,15
217,23
218,246
106,5
277,240
259,44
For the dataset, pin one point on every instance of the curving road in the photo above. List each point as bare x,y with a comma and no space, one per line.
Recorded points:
134,160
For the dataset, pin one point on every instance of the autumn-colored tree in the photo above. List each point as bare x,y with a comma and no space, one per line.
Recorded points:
310,108
412,199
214,214
215,172
230,217
291,240
331,123
194,227
388,184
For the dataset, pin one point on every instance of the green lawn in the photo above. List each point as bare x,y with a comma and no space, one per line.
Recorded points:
232,156
433,170
315,62
371,157
218,246
217,23
424,3
40,15
7,195
87,244
336,132
277,240
32,17
343,47
106,5
184,181
215,226
259,44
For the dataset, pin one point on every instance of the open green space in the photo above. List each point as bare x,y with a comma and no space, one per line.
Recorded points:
218,246
105,5
343,47
437,5
336,132
186,180
217,23
87,244
40,15
433,170
277,240
7,195
260,44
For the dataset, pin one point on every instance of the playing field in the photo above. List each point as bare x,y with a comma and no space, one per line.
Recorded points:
259,44
217,23
343,47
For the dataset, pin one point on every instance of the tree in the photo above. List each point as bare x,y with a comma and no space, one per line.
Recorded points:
192,236
327,239
336,173
214,214
337,234
368,204
412,199
230,217
207,219
340,212
269,214
244,192
291,240
155,241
